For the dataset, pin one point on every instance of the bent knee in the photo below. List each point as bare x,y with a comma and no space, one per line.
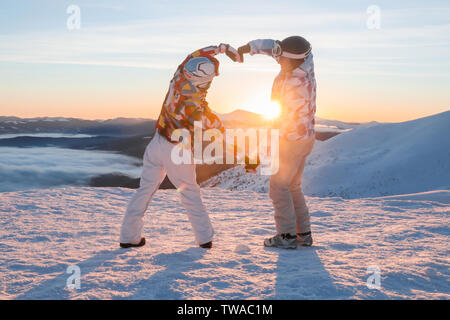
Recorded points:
190,188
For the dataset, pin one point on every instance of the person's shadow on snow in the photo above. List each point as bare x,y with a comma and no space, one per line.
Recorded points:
162,284
300,274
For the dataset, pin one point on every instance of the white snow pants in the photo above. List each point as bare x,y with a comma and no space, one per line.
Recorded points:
285,189
158,163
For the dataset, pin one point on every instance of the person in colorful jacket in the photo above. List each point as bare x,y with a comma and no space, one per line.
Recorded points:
295,90
184,104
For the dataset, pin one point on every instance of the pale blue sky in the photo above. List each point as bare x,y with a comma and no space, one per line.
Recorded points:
120,62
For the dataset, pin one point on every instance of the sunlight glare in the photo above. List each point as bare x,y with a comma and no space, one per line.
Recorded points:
267,108
271,109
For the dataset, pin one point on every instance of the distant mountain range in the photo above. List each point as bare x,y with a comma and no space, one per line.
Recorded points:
245,119
118,126
128,136
138,126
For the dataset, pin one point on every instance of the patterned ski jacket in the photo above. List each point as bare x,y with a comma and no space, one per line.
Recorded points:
185,103
296,93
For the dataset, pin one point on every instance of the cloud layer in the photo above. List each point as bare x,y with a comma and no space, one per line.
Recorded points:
31,168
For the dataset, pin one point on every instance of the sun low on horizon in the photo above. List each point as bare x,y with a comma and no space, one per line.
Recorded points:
261,104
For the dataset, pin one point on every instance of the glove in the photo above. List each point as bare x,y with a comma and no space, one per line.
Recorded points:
242,50
230,52
251,167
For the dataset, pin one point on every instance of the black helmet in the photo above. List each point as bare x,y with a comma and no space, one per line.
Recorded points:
295,47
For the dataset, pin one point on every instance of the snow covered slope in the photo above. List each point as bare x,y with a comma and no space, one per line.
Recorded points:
374,159
42,232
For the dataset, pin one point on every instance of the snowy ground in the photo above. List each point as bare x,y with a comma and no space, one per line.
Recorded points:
45,231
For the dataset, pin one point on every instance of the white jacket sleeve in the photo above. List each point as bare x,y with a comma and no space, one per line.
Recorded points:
261,46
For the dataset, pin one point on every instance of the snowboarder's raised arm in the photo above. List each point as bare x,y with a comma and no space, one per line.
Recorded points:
215,50
262,46
259,46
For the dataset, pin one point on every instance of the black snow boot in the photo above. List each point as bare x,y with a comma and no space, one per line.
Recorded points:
131,245
207,245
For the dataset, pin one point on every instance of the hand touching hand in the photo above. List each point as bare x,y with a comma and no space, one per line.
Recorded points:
230,52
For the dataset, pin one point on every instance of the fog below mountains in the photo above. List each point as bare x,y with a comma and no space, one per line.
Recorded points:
45,167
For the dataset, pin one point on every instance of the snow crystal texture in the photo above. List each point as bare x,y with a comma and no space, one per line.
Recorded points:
45,231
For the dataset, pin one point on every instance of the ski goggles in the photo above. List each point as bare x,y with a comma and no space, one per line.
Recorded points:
278,52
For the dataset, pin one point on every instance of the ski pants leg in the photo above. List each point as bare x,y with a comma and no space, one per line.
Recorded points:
153,174
183,177
158,162
291,212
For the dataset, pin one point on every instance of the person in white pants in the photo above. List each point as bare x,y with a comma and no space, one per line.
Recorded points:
158,163
185,104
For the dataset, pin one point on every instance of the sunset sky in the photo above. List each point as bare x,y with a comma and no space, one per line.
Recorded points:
120,61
